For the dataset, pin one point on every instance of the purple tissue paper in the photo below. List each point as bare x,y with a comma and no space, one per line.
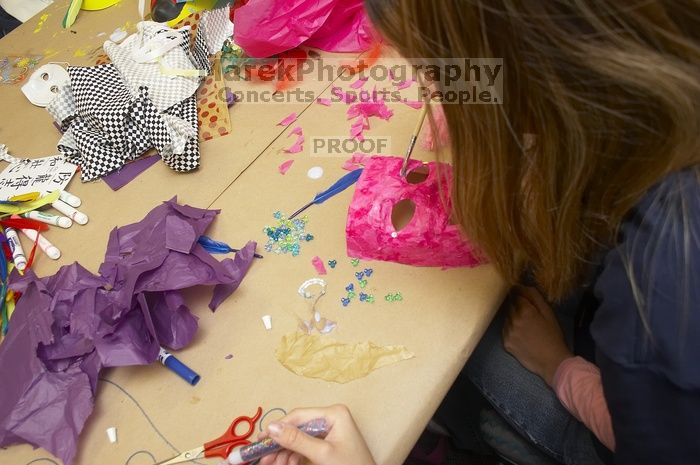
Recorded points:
68,326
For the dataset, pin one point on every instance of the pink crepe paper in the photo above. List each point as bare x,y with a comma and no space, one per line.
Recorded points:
284,167
289,119
367,109
415,104
404,84
297,147
429,239
359,83
297,131
318,264
356,130
267,27
356,161
324,101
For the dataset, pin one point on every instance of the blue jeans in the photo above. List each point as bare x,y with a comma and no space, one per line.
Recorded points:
492,378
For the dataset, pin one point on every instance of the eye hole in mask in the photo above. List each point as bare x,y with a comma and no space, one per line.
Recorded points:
418,175
402,213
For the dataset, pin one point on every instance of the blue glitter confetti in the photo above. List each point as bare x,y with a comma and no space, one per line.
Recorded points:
345,301
368,272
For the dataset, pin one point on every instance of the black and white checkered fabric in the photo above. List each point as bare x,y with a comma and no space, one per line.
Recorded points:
218,26
164,90
106,124
62,107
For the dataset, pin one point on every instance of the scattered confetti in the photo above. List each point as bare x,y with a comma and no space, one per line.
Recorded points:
363,283
315,172
359,83
355,261
415,104
395,297
359,275
318,264
287,235
332,263
112,434
289,119
345,301
368,272
284,167
350,287
324,101
267,321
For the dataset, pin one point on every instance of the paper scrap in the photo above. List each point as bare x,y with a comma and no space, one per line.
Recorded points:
324,101
284,167
112,434
35,175
297,147
289,119
315,172
316,356
296,131
404,84
267,321
318,264
415,104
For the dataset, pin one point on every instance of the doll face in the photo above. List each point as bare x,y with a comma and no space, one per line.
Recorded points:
43,85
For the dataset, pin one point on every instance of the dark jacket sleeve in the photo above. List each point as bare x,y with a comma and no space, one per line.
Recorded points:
647,327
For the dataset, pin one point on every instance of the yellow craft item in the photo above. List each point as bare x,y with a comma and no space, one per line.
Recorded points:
98,4
28,197
190,8
315,356
6,210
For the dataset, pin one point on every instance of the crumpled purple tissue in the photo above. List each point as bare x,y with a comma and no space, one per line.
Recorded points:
68,326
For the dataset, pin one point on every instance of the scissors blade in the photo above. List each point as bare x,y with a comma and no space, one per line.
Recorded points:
186,456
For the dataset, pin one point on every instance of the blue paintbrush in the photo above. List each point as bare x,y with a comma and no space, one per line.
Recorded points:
339,186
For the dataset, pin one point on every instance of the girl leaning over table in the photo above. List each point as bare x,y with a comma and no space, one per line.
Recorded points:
595,361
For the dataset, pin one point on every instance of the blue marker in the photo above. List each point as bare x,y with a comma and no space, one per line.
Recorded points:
182,370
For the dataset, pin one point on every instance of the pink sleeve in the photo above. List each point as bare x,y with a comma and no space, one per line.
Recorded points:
578,386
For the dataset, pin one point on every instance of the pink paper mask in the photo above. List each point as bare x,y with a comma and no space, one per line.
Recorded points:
428,238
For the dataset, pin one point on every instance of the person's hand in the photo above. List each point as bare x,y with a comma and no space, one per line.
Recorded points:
344,444
531,333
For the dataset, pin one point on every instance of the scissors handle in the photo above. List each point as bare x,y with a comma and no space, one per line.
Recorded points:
223,445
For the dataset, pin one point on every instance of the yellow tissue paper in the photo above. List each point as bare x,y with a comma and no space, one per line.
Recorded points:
317,356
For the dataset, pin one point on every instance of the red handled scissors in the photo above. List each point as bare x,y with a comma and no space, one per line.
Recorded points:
223,445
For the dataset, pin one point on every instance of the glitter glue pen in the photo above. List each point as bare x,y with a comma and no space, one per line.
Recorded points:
316,427
182,370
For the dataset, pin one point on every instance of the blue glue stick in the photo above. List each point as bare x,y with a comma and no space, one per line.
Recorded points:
182,370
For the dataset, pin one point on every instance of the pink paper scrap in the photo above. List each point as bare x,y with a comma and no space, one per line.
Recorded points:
324,101
289,119
318,264
284,167
297,131
297,147
415,104
404,84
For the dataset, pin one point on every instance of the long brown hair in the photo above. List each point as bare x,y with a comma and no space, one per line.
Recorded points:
609,88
